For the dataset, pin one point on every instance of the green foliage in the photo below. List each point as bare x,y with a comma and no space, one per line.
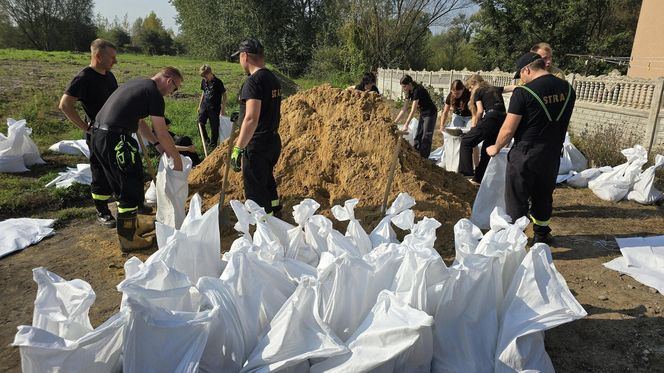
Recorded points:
451,50
150,36
602,147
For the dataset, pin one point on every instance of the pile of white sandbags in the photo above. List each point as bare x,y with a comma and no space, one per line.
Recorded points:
80,174
310,298
17,150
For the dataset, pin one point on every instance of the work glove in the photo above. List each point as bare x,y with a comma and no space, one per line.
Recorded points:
236,158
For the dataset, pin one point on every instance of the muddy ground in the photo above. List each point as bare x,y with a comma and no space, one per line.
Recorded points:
623,332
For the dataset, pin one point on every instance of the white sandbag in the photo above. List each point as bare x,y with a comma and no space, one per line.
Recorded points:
613,186
160,286
452,149
643,259
161,340
419,271
71,147
537,300
466,237
581,179
11,149
151,194
316,230
437,154
225,127
172,191
81,174
492,190
277,228
563,178
297,333
194,249
354,231
383,233
96,351
61,306
644,191
394,337
298,248
224,350
422,235
411,128
466,317
29,149
19,233
572,159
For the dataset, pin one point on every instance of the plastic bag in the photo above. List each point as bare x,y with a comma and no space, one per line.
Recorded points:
581,179
643,259
383,233
354,231
613,186
572,159
172,191
298,248
297,333
394,337
71,147
28,149
644,191
538,299
412,131
81,175
452,146
19,233
11,148
492,190
225,127
151,194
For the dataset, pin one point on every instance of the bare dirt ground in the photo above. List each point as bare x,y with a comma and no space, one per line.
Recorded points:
624,330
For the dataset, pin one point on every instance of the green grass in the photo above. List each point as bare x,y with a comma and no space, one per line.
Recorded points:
32,83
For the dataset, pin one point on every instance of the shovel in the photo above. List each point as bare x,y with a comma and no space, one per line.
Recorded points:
148,163
393,167
200,132
224,213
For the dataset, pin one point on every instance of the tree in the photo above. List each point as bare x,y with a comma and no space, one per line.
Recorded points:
150,36
117,32
53,24
452,49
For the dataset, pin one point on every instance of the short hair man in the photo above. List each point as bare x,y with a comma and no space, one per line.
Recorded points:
258,146
112,143
545,51
538,116
211,105
92,86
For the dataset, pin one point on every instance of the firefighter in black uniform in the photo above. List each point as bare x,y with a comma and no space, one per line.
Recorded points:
92,86
538,115
113,144
258,146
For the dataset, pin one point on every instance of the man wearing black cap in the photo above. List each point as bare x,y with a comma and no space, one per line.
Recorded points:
258,146
537,119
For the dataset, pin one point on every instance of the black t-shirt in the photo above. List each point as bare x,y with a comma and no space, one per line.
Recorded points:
263,85
424,102
373,88
92,89
535,126
212,92
460,105
491,97
134,100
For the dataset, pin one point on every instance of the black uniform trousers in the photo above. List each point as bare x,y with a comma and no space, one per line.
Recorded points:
486,131
121,163
213,115
100,187
260,157
531,176
424,134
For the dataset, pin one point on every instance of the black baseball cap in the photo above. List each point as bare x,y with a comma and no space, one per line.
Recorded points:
250,45
524,61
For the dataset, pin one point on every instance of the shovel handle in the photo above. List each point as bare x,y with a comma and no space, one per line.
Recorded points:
393,167
227,166
200,132
148,163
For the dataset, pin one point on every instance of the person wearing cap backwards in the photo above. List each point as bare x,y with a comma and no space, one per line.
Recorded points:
538,115
258,145
112,143
211,105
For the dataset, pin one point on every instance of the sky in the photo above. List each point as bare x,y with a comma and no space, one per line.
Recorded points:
137,8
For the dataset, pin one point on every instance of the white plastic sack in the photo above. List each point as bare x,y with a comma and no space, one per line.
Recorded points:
297,333
492,190
644,191
298,248
572,159
19,233
194,249
643,259
581,179
160,340
71,147
436,155
394,337
29,149
538,299
61,306
11,148
354,231
151,194
172,191
452,146
613,186
383,233
81,175
96,351
225,127
412,131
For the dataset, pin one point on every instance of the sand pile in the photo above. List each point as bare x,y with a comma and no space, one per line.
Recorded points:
337,144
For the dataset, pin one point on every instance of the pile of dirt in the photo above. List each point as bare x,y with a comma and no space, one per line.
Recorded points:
337,144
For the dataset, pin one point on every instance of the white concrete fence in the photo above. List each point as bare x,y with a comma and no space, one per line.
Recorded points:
607,100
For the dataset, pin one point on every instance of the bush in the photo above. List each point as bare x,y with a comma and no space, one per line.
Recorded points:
603,146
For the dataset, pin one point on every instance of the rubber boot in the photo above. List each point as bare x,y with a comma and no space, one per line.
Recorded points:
145,225
127,228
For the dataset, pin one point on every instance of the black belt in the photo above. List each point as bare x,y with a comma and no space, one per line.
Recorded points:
120,130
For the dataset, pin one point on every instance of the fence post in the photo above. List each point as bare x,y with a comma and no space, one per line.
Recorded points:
653,115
